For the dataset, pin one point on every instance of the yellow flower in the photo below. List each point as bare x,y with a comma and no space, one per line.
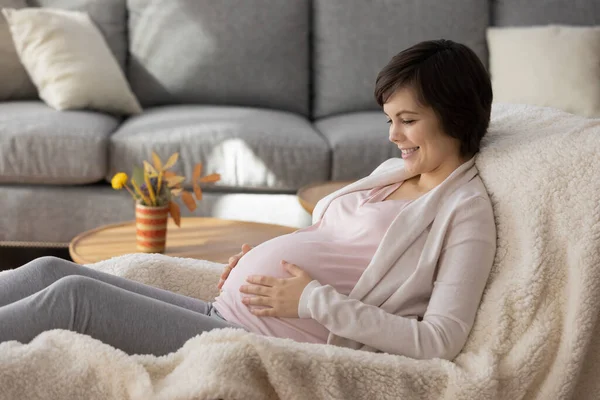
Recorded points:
119,181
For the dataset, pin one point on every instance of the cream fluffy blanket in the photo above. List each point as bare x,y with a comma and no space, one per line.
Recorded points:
536,335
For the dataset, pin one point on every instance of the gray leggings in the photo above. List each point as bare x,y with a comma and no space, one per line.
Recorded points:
51,293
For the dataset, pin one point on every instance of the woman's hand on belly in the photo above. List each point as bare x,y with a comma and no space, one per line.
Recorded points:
282,296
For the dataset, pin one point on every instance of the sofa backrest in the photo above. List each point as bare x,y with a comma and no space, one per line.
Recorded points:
110,16
249,53
313,57
543,12
352,43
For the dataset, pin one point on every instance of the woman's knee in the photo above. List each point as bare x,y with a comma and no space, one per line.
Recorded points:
72,283
50,264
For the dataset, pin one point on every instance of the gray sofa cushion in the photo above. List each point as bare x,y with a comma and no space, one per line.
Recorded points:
110,16
543,12
251,52
249,147
359,143
352,44
41,145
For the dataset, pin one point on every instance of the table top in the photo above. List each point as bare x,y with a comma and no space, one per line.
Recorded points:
309,195
212,239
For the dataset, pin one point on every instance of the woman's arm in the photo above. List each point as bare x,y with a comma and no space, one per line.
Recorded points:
463,269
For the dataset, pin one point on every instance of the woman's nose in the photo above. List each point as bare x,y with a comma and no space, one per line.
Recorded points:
396,135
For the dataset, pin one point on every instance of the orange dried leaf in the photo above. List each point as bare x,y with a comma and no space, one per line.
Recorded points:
177,191
156,161
169,174
175,213
149,170
172,160
197,172
174,181
211,178
188,200
197,191
159,183
150,190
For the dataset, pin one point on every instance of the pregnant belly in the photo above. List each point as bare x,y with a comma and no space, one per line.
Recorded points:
337,264
265,259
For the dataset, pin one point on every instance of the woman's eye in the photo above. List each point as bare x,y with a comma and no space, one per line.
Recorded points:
389,121
408,122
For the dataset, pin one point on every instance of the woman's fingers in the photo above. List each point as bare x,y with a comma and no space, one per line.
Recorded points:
226,270
233,260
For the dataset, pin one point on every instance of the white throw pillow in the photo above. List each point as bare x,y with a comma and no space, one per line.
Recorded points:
69,61
552,66
14,81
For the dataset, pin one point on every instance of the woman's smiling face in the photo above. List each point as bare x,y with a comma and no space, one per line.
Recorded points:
415,126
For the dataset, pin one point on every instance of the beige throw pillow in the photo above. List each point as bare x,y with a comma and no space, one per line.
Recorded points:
69,62
553,66
14,81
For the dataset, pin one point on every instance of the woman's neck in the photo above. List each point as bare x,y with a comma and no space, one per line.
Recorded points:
427,181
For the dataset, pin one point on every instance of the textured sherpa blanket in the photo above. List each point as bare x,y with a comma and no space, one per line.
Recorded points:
536,334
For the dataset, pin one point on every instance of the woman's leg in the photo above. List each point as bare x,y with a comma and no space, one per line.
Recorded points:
42,272
129,321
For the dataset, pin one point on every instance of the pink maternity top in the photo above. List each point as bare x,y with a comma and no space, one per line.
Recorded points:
335,251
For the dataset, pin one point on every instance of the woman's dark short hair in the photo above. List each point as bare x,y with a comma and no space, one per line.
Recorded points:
448,77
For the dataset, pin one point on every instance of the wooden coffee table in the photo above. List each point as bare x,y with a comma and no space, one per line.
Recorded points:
210,239
309,195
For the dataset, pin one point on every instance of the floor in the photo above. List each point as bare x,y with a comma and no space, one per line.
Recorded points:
13,257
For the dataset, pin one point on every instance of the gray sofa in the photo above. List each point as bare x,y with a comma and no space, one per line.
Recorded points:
271,94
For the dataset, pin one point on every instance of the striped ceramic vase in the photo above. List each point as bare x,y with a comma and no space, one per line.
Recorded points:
151,228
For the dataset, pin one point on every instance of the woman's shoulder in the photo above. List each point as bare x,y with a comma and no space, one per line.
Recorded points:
474,188
472,194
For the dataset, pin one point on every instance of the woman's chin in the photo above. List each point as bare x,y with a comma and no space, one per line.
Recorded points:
411,167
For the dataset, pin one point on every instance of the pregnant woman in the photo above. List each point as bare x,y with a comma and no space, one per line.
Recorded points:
396,262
